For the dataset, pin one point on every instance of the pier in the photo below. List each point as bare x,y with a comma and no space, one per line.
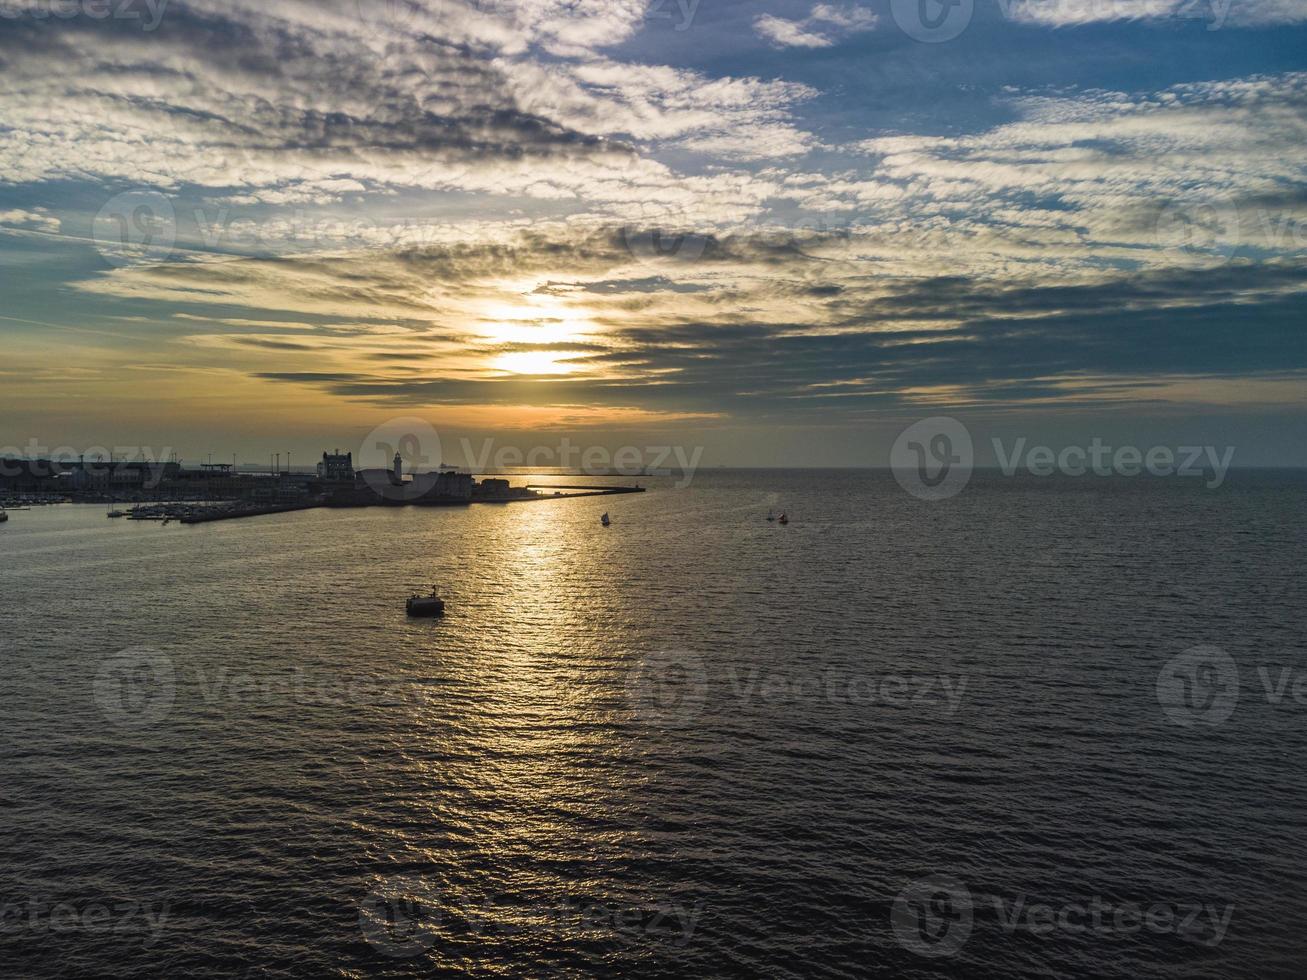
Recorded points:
191,512
583,491
207,515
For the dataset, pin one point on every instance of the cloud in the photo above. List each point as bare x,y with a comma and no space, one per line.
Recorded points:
37,219
1071,13
289,104
820,29
761,328
1107,177
514,204
1029,263
789,33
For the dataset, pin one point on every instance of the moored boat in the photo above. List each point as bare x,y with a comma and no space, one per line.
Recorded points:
425,605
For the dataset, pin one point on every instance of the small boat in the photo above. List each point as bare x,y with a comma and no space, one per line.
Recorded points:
783,519
771,516
425,605
3,516
604,520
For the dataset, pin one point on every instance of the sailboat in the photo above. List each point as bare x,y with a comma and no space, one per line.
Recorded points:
604,520
771,516
783,519
111,512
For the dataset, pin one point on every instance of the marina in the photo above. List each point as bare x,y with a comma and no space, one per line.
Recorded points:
171,492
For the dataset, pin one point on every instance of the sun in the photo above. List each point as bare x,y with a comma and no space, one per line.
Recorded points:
541,320
533,362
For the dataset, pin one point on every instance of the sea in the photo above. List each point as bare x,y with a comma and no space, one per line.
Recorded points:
1047,727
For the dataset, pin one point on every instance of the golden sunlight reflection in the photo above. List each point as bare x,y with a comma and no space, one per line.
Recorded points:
529,708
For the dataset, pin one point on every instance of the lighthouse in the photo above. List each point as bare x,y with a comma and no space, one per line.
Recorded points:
397,473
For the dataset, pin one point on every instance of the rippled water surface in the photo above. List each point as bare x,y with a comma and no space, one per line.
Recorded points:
893,738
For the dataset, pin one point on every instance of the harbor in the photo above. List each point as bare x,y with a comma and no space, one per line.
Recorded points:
169,492
185,512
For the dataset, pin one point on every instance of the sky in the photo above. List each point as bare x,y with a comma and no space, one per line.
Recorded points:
779,231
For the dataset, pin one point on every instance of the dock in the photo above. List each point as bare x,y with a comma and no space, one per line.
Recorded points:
208,515
193,512
584,491
205,515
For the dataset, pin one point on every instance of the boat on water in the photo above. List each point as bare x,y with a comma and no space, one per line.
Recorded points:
771,516
782,519
425,605
3,516
112,511
604,520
